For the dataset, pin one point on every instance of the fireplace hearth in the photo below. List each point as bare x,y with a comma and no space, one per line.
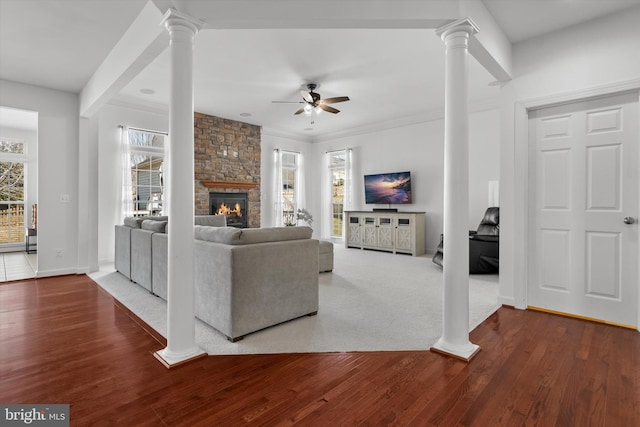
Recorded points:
232,205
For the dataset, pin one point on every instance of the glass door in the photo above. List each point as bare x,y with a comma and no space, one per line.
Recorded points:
12,195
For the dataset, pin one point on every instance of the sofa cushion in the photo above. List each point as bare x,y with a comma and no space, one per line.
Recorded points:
490,224
133,222
136,221
273,234
227,235
152,225
211,220
326,247
246,236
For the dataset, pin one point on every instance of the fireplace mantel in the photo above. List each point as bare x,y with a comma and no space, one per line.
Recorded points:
229,184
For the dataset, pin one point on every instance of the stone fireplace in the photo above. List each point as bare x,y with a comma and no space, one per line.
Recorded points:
232,205
227,160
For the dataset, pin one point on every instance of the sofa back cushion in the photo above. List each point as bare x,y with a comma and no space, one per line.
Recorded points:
246,236
136,221
153,225
211,220
490,224
274,234
227,235
133,222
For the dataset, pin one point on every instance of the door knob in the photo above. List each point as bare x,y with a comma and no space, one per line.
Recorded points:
628,220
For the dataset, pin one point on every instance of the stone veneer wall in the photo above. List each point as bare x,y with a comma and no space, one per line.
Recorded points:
213,135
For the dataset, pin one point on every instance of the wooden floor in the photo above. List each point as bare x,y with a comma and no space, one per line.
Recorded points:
62,340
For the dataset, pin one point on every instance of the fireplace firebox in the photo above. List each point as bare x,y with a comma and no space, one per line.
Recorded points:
232,205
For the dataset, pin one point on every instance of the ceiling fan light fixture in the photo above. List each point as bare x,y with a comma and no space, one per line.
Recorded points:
312,101
308,109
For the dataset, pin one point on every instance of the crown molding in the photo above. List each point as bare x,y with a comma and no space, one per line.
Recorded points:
632,85
428,116
474,106
286,135
463,24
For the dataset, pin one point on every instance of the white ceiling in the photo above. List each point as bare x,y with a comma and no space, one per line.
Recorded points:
391,76
388,75
524,19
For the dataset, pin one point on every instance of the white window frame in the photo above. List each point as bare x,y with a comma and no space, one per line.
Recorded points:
16,158
332,211
290,162
154,204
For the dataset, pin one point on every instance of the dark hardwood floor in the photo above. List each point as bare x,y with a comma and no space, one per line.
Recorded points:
63,340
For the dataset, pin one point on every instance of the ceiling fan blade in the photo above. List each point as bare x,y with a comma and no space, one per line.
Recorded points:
334,100
287,102
328,109
300,111
306,96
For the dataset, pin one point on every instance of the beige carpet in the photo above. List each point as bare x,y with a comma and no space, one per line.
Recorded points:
372,301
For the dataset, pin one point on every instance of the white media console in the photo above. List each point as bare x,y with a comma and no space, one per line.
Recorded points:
397,232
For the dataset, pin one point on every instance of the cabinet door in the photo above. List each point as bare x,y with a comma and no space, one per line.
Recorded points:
385,232
354,236
404,235
370,236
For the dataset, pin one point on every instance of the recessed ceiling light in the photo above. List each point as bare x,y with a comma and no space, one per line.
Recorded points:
245,114
147,91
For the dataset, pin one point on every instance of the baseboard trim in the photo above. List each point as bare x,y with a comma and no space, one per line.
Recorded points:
465,356
577,316
183,362
61,272
510,301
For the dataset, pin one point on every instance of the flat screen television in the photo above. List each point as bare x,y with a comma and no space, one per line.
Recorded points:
387,188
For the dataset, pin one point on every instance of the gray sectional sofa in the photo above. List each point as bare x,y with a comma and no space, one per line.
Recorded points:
245,279
141,239
250,279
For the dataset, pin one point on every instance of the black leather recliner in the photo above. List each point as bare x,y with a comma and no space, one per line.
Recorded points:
484,245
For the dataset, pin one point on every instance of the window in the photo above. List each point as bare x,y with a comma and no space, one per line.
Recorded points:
337,174
289,184
143,186
288,188
12,191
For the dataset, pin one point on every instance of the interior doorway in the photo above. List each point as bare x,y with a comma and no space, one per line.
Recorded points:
18,193
583,206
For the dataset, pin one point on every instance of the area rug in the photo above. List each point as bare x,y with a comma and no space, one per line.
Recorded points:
372,301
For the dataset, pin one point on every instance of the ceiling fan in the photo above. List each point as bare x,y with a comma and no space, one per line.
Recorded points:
313,102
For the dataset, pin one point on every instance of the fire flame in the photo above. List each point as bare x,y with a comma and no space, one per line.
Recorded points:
226,210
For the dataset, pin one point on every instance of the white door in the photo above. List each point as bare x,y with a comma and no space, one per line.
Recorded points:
583,182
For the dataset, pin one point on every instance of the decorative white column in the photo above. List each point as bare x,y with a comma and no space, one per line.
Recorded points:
455,330
179,185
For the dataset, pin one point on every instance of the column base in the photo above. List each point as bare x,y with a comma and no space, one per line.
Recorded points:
462,352
175,360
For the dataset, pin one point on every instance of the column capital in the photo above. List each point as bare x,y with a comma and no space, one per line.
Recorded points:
174,17
461,25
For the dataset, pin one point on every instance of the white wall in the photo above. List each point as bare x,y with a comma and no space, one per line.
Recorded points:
110,172
569,62
58,127
419,148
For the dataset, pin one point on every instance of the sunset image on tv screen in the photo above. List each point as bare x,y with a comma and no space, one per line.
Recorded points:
388,188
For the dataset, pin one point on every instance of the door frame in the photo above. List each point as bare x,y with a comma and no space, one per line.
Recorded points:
521,174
